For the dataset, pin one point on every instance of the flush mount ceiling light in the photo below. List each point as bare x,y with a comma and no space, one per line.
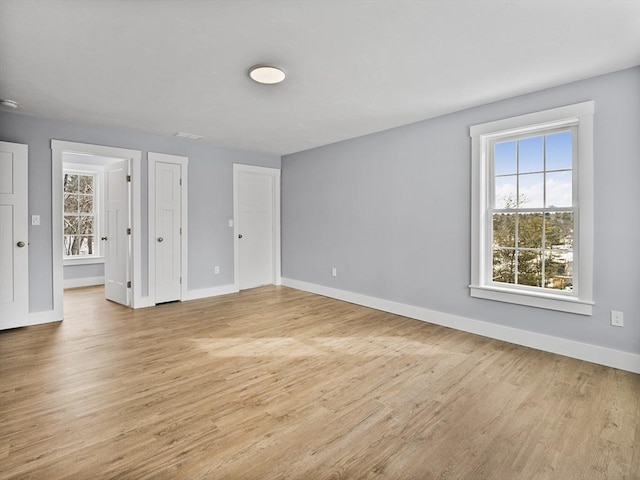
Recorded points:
9,103
266,74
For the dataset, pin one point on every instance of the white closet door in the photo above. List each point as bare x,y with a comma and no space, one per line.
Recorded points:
14,252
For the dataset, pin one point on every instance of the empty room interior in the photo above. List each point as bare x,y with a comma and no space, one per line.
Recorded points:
305,239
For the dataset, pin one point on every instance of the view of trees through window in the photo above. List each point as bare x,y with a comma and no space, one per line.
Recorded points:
532,219
79,214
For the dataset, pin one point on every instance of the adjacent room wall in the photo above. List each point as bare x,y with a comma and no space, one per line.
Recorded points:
82,275
210,196
392,212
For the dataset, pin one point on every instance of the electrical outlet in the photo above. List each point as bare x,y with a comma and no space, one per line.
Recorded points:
216,269
334,272
617,318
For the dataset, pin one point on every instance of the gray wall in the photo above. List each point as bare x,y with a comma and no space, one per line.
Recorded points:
210,195
74,272
392,212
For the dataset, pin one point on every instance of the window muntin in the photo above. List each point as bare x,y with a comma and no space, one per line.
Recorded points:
532,209
80,223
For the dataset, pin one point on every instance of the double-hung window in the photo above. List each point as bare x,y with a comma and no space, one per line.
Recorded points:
81,222
532,209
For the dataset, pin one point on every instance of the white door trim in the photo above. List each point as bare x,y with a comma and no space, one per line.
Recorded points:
275,174
154,158
134,156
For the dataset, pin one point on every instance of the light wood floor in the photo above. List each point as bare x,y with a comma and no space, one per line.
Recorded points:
275,383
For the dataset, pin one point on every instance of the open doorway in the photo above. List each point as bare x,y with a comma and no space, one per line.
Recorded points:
96,220
97,224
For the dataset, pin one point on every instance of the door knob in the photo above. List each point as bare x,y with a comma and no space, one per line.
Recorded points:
20,244
103,238
160,239
239,235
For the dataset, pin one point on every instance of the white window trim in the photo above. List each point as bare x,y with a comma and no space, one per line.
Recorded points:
83,260
480,287
98,172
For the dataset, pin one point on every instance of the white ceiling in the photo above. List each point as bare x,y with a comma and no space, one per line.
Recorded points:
353,67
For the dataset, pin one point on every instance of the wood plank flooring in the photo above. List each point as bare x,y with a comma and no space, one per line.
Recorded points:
274,383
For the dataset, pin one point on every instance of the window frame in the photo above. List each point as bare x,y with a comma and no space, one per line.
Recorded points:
580,301
97,172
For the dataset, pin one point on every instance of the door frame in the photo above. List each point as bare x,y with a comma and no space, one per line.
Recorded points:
154,158
274,173
58,147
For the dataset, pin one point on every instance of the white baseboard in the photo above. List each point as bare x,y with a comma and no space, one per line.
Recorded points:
569,348
210,292
83,282
144,302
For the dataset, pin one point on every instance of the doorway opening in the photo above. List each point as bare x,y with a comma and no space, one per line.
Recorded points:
84,219
96,221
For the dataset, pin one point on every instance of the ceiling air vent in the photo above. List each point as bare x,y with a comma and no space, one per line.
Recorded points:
191,136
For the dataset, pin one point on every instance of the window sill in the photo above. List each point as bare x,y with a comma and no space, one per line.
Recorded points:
82,260
533,299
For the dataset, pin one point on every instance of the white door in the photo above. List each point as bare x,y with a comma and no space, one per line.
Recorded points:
116,241
255,229
168,211
14,256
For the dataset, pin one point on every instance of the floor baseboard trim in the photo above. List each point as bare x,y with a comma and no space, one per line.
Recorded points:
210,292
561,346
83,282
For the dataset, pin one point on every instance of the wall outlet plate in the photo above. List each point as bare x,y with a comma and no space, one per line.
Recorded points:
617,318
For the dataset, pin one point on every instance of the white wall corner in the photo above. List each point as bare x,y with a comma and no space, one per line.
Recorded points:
561,346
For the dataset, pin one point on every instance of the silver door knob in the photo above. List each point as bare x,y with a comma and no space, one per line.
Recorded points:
103,239
20,244
160,239
239,235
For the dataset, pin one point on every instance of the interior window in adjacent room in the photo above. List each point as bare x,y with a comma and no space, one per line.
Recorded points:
80,218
